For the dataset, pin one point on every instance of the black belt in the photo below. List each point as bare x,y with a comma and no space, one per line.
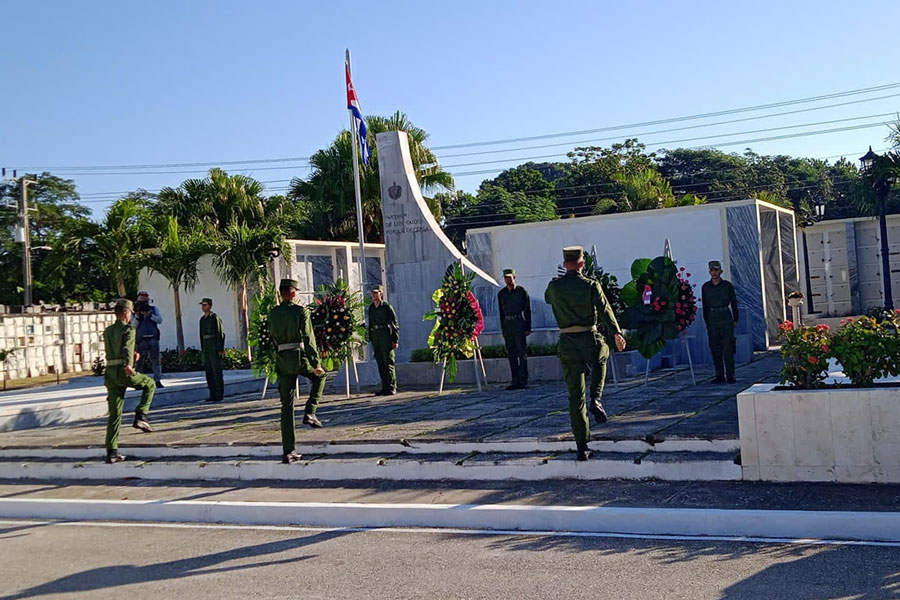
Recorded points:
375,327
719,308
513,318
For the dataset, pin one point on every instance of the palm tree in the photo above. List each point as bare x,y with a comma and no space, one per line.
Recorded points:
214,202
241,260
116,242
328,194
175,258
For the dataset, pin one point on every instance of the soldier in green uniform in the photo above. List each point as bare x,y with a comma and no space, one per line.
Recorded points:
720,311
212,347
580,306
120,375
292,332
515,323
384,333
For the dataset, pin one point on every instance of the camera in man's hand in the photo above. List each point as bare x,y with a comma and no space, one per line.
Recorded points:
142,307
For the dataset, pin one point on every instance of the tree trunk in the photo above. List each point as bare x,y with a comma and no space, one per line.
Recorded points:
179,330
120,283
243,308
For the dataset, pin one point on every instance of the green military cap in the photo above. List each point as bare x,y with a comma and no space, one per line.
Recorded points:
511,272
287,284
206,301
124,303
573,253
378,288
714,264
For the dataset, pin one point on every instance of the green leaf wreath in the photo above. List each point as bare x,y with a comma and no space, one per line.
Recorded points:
338,318
264,350
458,319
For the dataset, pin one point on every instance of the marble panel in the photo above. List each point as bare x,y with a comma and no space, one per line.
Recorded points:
847,474
744,267
778,473
788,253
813,439
373,270
852,429
746,406
322,269
884,407
480,250
775,430
772,281
750,473
821,473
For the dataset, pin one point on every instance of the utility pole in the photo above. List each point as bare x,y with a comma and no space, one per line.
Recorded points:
26,239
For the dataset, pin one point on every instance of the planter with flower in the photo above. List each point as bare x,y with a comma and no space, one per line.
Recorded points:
810,430
458,320
338,322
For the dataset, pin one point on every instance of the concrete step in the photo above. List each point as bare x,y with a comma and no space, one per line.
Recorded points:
403,466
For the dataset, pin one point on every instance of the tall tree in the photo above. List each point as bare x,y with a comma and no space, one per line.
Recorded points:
327,195
175,257
242,259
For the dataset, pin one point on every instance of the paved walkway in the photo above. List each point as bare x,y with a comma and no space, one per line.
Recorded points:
668,407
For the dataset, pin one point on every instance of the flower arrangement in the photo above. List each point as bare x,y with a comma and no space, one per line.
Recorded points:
264,350
654,308
866,348
685,301
805,351
458,319
338,323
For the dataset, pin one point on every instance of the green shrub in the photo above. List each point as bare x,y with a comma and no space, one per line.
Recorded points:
234,359
868,349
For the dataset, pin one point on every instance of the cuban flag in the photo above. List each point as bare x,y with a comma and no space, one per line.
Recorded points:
353,106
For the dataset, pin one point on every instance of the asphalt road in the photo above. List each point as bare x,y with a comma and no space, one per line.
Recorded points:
96,561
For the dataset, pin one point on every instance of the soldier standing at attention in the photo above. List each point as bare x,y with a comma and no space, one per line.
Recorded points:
579,305
384,333
212,347
120,375
292,332
720,311
515,323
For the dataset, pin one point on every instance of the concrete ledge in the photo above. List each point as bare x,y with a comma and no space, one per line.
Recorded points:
267,451
54,405
398,468
775,524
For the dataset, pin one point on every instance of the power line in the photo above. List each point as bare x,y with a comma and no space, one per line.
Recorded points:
646,133
675,119
530,138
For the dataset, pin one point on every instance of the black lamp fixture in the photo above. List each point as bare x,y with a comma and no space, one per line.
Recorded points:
882,186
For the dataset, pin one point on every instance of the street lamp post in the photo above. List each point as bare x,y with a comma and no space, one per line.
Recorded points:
808,221
882,187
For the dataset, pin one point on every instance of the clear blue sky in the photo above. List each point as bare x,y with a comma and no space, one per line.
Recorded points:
113,83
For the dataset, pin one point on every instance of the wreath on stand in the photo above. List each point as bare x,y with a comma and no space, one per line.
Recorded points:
337,320
338,323
458,320
264,350
659,303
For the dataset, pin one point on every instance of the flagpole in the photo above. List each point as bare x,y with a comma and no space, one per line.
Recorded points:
359,213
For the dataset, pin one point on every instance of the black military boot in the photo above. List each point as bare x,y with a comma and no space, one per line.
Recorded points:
584,452
312,420
140,422
113,456
598,411
291,458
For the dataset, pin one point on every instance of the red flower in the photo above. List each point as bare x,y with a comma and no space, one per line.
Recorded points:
813,360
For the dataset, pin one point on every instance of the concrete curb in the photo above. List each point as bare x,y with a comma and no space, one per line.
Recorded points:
402,468
270,450
30,414
779,524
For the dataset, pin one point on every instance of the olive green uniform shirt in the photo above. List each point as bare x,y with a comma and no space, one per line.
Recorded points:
719,302
578,300
290,323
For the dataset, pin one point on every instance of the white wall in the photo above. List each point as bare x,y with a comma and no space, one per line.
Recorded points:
224,304
535,250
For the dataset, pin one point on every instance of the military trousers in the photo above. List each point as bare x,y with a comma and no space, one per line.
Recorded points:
516,345
579,354
215,380
722,347
149,347
287,390
116,385
383,349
